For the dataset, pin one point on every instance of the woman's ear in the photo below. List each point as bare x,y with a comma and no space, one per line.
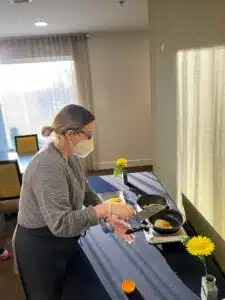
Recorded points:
72,136
69,134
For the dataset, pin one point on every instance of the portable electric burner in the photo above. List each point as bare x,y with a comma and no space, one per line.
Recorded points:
153,233
153,237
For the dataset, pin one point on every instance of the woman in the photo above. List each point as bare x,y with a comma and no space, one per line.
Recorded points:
57,206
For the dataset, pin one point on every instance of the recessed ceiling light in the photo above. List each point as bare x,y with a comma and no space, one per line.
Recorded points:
41,24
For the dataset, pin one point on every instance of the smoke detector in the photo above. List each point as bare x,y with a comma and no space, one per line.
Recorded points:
121,2
20,1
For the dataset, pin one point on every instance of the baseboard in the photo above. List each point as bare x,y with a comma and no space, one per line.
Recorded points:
103,172
131,163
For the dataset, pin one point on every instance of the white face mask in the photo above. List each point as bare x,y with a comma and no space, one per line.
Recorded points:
84,148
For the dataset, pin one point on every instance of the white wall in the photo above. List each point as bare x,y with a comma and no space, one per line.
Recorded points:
121,90
175,25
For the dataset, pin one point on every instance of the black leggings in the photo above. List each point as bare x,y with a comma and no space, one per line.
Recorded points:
53,268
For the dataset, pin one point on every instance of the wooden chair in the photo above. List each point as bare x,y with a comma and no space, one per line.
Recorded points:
203,227
26,144
10,185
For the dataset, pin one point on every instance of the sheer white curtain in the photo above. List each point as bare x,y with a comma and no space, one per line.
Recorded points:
201,131
38,77
84,87
30,95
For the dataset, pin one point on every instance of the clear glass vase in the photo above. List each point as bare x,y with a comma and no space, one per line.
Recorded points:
209,290
122,178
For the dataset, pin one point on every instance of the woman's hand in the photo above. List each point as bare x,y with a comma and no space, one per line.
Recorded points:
120,227
120,210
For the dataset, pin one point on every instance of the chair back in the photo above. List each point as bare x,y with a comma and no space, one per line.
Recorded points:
10,180
26,144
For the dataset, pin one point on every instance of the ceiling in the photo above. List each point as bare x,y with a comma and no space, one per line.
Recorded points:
71,16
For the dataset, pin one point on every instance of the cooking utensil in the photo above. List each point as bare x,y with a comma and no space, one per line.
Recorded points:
147,200
136,229
174,217
146,213
149,211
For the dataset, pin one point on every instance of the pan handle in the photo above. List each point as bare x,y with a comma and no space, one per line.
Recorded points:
135,229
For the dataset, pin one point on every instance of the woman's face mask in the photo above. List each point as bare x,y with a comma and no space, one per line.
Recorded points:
84,147
85,143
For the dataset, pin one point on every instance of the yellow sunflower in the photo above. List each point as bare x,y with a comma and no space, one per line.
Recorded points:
200,246
121,162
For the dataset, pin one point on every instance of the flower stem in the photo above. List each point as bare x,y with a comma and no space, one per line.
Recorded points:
118,170
202,258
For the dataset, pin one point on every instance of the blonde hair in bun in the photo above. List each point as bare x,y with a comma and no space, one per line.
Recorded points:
47,131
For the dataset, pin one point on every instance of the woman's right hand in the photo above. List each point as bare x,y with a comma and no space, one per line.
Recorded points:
121,210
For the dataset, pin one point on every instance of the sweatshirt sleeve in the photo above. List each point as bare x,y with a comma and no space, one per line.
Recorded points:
51,189
91,198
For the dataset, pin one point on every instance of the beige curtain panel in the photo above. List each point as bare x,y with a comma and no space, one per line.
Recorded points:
201,131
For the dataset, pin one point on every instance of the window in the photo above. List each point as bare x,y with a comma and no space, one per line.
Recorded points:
30,95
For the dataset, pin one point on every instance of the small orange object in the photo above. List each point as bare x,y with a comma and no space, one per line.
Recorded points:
128,286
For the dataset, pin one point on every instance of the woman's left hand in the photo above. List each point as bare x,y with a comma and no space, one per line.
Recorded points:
120,227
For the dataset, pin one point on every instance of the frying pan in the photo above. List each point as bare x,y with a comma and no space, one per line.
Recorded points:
151,199
174,217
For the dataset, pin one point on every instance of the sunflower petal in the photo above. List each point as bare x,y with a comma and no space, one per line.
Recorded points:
200,246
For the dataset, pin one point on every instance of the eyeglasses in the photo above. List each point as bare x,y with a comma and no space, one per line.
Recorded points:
89,135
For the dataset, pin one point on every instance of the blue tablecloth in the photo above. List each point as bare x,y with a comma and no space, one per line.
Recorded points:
114,260
165,272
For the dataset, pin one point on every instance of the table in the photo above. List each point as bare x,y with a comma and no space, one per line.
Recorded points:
165,272
161,272
23,160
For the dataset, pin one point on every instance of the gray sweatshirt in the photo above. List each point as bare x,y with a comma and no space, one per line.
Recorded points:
54,193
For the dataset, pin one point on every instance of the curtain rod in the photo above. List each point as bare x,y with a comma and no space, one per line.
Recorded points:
87,35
